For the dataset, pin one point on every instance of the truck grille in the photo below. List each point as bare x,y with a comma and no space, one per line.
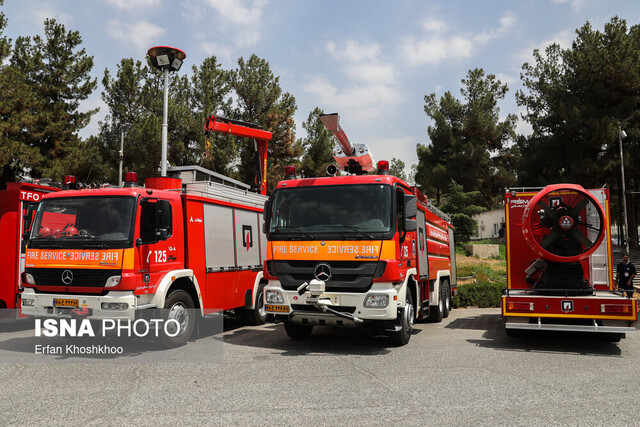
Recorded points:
346,276
82,277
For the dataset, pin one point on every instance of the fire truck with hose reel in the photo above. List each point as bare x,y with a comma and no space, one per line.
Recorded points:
191,249
356,249
559,264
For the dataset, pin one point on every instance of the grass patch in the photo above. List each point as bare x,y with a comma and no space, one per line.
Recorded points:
485,280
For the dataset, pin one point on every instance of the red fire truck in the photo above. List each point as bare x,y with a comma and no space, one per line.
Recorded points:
17,204
356,249
114,252
559,264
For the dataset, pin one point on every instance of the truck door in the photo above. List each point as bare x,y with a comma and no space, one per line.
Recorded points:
421,235
161,236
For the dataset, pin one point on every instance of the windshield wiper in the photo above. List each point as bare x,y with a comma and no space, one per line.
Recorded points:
352,228
95,246
279,229
53,245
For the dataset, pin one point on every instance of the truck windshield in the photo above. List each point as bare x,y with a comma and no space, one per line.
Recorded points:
342,209
82,222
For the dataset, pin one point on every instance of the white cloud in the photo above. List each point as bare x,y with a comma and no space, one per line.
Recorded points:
509,79
141,34
219,51
240,18
362,62
563,38
439,45
132,4
361,103
39,11
575,4
434,25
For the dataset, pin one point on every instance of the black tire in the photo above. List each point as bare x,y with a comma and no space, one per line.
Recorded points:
407,318
436,313
256,315
178,306
446,295
297,331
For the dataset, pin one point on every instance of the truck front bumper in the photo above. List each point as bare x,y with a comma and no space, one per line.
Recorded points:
297,309
43,305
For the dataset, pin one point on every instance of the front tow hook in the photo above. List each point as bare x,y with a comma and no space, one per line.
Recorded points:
80,312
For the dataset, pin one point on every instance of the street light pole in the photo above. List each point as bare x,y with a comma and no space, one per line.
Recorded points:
165,124
165,58
624,189
121,155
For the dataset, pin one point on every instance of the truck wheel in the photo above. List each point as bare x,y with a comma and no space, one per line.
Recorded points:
406,317
179,307
296,331
446,298
256,315
436,313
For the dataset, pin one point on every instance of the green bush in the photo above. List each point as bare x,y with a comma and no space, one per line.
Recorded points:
483,295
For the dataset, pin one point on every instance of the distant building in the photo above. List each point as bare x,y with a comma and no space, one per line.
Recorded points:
490,225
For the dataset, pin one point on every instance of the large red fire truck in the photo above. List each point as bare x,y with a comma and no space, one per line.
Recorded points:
559,264
17,204
114,252
356,249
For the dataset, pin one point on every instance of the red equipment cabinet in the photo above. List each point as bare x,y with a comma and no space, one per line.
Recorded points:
166,245
356,250
15,202
559,263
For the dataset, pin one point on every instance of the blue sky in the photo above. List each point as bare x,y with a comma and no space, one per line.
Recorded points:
372,61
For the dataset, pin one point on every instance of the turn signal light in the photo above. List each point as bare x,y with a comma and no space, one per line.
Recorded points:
620,309
519,306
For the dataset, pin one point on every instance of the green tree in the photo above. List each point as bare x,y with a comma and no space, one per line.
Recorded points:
132,98
574,100
46,78
211,95
317,146
469,142
260,100
459,204
396,168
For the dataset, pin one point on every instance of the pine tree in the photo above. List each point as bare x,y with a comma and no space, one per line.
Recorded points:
317,146
54,74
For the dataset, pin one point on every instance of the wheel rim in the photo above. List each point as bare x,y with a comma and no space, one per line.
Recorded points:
447,298
260,301
409,315
180,314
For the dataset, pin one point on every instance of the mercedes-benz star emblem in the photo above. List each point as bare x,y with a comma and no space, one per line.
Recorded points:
67,277
323,272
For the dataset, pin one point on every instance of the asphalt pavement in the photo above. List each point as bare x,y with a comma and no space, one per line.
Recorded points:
463,371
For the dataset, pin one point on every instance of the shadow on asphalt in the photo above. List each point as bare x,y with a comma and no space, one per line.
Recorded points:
324,340
495,338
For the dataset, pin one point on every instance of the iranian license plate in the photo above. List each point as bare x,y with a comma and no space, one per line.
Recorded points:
276,308
65,302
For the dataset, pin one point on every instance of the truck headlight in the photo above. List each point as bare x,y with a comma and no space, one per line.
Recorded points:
274,297
28,278
114,306
112,281
28,302
376,301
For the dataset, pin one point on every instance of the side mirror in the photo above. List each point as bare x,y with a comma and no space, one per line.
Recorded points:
410,212
266,215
